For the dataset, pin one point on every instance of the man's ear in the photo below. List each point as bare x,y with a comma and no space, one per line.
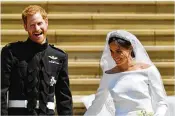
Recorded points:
46,20
25,26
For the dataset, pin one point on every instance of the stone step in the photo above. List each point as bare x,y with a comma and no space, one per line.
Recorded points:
96,64
100,48
78,106
78,53
88,62
93,53
88,84
96,81
91,77
92,6
96,21
96,16
93,68
84,86
92,37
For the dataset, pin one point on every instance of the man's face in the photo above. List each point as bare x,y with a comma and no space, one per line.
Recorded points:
36,27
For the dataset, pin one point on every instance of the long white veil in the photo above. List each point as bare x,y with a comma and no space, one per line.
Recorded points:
141,55
108,63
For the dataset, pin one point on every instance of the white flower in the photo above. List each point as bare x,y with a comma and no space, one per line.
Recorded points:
144,113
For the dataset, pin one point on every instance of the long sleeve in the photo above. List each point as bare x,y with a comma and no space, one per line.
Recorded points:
158,93
101,104
6,67
94,102
62,91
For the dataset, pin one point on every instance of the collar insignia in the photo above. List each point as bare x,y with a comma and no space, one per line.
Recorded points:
53,57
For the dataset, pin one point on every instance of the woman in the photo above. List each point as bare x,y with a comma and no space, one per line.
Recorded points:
131,85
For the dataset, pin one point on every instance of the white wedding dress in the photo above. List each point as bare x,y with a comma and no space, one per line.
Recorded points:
129,93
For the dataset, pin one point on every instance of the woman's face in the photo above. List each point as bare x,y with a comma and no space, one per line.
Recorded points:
120,54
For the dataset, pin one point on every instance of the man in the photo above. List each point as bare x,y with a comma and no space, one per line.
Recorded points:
33,72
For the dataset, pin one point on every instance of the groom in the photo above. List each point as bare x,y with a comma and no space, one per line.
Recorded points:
33,72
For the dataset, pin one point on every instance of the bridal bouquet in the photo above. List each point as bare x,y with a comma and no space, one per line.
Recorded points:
144,113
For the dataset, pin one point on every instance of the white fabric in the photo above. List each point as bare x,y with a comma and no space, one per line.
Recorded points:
103,104
23,104
87,100
171,105
157,92
131,91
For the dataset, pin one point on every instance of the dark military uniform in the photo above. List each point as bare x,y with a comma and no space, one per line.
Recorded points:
32,74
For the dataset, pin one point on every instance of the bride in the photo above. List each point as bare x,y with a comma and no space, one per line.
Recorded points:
131,85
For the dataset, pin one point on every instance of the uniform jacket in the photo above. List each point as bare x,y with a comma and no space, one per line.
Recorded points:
35,73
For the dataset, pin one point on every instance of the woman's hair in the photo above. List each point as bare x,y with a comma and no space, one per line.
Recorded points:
31,10
122,42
